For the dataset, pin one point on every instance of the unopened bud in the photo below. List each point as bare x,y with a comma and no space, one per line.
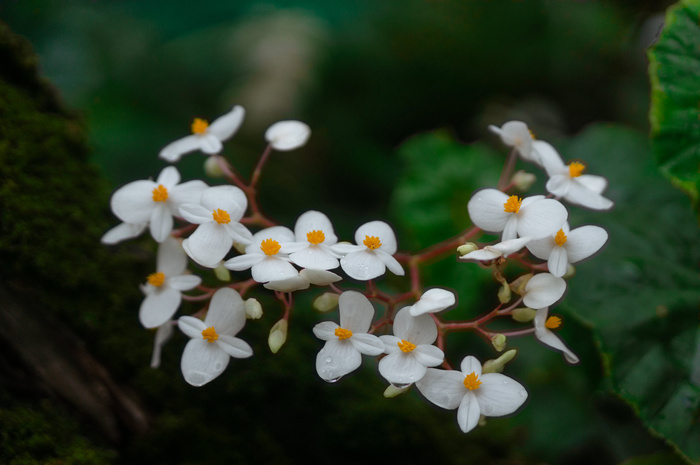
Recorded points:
239,246
523,181
253,309
278,336
504,293
326,302
222,273
393,391
212,168
570,272
523,314
467,248
496,366
518,285
499,342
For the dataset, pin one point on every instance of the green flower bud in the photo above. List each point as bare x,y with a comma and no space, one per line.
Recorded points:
518,286
523,314
393,391
523,180
467,248
496,366
278,336
222,273
253,309
499,342
504,293
212,168
326,302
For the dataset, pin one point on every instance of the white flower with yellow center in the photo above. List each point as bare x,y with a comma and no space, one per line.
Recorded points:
410,349
543,332
287,135
205,137
534,216
569,183
264,258
543,290
472,392
345,343
373,254
517,135
213,340
217,215
153,203
568,247
122,232
164,287
313,242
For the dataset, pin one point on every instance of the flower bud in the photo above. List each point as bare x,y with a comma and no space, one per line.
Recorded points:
523,314
240,247
496,366
222,273
326,302
253,309
278,336
393,391
518,285
570,272
212,168
523,180
467,248
504,293
499,342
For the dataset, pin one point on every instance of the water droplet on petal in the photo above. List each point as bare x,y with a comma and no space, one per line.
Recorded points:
329,359
333,380
217,366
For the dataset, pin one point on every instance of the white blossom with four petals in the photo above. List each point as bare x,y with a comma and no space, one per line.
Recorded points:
543,290
374,256
517,135
313,242
288,135
263,256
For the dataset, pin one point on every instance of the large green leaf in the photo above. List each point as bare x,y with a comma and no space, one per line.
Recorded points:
641,294
675,108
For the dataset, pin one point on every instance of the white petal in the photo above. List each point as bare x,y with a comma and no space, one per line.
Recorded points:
486,210
367,344
337,358
379,229
133,203
391,343
171,259
541,218
208,245
202,361
543,290
499,395
244,262
401,368
161,222
168,177
363,265
485,254
226,312
122,232
541,248
356,312
468,413
593,182
233,346
163,334
238,233
273,269
320,277
552,340
191,326
444,388
184,282
195,213
469,365
315,258
419,329
288,135
209,143
295,283
345,248
174,150
433,301
584,241
428,355
225,126
559,185
549,158
187,192
558,262
314,221
231,199
158,307
390,262
325,330
581,195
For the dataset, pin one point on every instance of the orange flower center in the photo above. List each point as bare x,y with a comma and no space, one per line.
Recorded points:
576,169
315,236
560,238
156,279
471,381
512,205
372,242
209,334
553,322
270,246
221,216
406,346
199,126
343,333
160,193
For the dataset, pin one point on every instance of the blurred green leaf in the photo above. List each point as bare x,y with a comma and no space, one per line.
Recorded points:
641,294
674,71
660,458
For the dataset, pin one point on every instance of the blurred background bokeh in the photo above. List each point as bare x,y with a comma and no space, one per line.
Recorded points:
366,76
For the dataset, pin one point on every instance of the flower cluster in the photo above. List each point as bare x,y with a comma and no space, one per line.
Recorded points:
223,228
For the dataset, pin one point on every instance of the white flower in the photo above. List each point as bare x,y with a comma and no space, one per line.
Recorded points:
567,247
303,280
410,349
163,335
263,256
370,260
122,232
472,393
502,249
314,238
163,289
217,216
569,182
287,135
535,216
341,354
213,341
517,135
543,290
433,301
205,137
153,203
543,333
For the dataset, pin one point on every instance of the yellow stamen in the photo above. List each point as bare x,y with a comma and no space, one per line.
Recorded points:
553,322
270,246
406,346
209,334
199,126
372,242
221,216
156,279
160,193
560,238
576,169
532,134
512,205
472,382
315,236
343,333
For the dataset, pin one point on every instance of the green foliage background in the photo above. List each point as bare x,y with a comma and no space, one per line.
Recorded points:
396,94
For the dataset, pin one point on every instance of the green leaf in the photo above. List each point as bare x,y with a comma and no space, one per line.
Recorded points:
641,294
674,70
